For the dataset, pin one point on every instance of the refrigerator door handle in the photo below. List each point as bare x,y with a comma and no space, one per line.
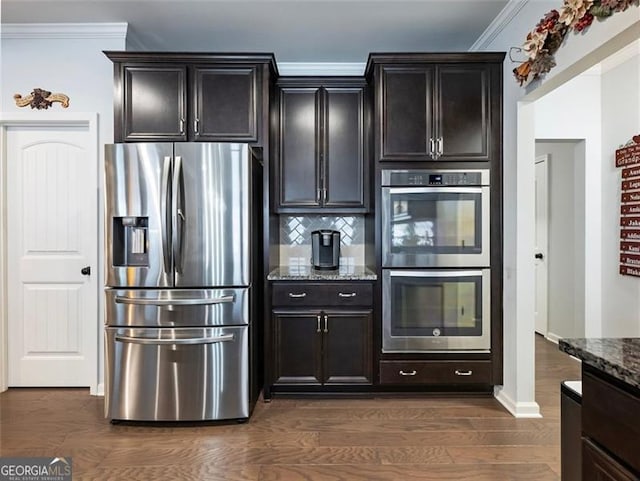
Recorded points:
177,214
164,221
175,342
174,302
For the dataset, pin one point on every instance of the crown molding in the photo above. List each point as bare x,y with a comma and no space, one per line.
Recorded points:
321,68
504,18
64,30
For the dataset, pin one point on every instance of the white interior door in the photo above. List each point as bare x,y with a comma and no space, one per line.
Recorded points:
541,241
52,234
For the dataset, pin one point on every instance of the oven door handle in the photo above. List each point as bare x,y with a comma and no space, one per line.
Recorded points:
173,302
433,190
174,342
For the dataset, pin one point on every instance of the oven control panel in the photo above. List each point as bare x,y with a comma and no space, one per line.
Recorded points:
439,178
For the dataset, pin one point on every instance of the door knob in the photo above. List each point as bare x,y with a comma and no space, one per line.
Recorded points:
539,255
86,271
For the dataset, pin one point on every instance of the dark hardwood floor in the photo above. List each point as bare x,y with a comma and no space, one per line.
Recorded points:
399,439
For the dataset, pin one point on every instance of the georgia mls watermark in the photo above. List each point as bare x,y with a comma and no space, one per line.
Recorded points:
35,469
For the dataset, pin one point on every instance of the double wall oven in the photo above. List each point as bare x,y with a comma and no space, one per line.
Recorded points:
435,261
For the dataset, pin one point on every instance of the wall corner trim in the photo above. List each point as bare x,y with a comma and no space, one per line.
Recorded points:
517,409
504,18
64,30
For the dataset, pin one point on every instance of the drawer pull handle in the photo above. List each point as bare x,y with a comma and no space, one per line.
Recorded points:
463,373
296,296
347,294
318,329
408,373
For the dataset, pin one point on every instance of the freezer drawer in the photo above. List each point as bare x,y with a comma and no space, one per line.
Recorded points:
177,307
177,374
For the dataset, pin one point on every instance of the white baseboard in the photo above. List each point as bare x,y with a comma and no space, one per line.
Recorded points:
99,390
553,337
517,409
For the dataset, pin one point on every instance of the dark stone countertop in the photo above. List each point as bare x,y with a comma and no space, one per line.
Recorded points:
618,357
307,273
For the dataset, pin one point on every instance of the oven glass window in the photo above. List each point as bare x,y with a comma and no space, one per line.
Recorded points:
440,223
432,306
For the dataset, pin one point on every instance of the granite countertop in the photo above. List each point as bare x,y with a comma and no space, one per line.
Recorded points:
307,273
619,357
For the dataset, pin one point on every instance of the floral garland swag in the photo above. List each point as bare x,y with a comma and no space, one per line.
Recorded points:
545,39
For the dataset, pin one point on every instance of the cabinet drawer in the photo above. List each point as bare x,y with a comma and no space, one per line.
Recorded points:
319,294
598,465
609,416
435,372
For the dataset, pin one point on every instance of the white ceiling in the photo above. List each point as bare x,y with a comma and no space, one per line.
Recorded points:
295,30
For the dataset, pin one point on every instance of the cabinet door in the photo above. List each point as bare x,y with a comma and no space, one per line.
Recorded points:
298,163
225,103
406,112
347,347
599,466
462,112
154,103
298,347
343,149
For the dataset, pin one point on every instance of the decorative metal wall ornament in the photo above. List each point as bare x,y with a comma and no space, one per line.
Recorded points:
41,99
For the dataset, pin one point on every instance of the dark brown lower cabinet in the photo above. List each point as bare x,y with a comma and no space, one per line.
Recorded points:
610,427
322,347
599,466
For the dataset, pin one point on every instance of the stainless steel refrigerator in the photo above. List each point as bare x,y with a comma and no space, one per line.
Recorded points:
182,236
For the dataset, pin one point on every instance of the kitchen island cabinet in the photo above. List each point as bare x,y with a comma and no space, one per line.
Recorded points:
610,403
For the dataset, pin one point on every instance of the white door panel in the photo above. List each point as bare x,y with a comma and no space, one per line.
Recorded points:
541,244
52,234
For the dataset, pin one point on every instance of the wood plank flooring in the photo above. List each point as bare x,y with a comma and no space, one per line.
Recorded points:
377,439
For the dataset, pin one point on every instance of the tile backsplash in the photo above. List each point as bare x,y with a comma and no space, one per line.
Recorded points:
295,237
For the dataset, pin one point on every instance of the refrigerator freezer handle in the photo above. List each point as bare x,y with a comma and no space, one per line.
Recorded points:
174,302
176,213
175,342
165,221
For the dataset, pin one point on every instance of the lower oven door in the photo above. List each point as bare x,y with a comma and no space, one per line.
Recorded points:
177,374
436,310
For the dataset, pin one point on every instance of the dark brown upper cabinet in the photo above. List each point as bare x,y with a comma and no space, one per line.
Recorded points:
322,148
444,107
190,97
154,103
225,103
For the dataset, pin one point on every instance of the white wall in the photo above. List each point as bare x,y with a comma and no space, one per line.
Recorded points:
67,59
565,257
577,54
621,120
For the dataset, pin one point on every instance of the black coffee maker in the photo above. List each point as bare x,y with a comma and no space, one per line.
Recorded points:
325,249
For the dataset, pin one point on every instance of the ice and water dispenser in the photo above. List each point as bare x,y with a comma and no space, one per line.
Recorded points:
130,238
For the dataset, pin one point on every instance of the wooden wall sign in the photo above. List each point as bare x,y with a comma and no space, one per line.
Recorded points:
629,157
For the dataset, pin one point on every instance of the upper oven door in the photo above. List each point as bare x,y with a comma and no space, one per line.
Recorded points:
435,226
